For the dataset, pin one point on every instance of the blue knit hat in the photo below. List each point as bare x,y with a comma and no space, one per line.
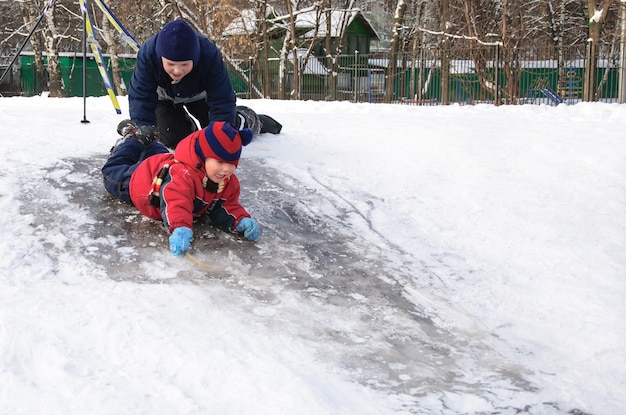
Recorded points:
178,42
221,141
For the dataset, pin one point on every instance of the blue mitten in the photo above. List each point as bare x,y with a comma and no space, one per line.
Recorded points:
249,227
180,240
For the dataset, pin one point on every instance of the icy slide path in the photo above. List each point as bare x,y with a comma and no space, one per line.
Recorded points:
368,315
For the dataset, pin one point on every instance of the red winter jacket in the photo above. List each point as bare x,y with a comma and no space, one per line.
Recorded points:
183,196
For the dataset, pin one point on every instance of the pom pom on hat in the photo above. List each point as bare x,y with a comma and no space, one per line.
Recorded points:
221,141
178,42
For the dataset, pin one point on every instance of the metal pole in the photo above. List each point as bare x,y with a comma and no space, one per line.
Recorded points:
300,75
622,55
356,75
250,66
497,75
84,120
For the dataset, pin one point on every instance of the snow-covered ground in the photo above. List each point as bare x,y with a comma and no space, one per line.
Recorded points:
413,260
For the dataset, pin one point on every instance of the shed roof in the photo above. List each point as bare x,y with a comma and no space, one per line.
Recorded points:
338,18
305,23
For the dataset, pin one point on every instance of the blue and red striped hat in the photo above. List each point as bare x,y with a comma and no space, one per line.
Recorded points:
221,141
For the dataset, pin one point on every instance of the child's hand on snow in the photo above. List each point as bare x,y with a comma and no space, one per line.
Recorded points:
180,240
249,227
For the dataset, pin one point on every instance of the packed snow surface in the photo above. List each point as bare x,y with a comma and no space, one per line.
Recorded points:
413,260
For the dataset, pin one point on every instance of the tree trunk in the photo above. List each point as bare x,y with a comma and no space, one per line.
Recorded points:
445,54
593,47
331,58
393,53
295,82
265,87
561,49
108,35
334,41
54,66
29,13
282,68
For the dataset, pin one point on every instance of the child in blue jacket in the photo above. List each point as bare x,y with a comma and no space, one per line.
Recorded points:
179,72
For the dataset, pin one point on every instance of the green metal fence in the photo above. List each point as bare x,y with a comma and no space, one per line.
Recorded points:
484,74
547,76
72,75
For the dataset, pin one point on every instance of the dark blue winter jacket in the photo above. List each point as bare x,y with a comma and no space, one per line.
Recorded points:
150,83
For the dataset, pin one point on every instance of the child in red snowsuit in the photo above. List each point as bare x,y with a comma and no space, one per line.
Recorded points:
197,178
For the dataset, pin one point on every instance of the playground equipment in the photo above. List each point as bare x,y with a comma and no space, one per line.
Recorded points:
540,89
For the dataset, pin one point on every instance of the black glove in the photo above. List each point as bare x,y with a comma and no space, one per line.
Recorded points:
144,133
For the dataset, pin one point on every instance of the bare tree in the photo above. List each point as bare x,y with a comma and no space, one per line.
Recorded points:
30,13
472,30
336,19
482,19
295,86
110,38
393,53
513,35
445,52
53,37
597,17
263,27
331,60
